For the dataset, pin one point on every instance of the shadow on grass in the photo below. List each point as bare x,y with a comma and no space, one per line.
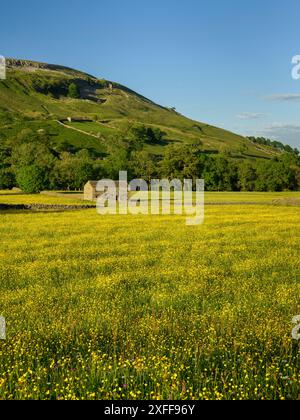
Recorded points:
12,194
8,208
36,211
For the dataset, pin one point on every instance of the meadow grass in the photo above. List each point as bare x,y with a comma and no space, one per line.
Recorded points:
10,197
69,198
144,307
249,197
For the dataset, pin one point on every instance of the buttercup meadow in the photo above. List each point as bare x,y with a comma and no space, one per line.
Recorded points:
145,307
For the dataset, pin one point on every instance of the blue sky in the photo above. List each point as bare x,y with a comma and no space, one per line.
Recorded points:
224,62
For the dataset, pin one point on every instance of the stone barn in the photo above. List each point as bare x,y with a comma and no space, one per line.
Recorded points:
90,193
79,119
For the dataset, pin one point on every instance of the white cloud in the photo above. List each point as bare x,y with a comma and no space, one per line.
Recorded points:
287,133
278,126
250,115
285,97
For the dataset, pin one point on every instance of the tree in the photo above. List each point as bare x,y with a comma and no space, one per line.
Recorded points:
220,174
118,160
146,135
270,176
74,91
7,179
120,151
84,169
65,146
181,161
72,171
143,165
246,177
275,144
33,154
31,179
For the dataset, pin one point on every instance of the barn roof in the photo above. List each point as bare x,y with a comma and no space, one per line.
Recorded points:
94,183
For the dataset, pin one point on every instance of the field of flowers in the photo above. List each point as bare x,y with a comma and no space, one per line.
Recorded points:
144,307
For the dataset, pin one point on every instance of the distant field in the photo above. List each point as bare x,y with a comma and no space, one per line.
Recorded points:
11,197
147,308
244,197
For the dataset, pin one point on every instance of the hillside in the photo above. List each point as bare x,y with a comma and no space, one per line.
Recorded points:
35,95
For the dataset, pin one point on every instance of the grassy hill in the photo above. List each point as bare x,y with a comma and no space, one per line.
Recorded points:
35,95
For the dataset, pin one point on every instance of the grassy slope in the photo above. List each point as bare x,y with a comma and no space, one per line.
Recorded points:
19,101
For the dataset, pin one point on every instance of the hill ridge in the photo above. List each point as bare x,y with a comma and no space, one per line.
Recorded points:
35,94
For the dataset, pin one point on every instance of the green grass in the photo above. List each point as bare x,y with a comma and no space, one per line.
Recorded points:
58,134
94,128
248,197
